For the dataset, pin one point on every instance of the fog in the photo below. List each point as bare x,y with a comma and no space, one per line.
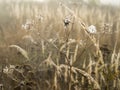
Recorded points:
106,2
112,2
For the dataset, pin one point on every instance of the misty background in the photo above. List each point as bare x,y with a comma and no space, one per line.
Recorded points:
108,2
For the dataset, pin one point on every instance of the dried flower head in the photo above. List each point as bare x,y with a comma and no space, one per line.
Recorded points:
67,21
28,25
107,27
92,29
25,26
72,40
9,69
39,17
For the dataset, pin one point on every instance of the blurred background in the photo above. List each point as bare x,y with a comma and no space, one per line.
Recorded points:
38,28
14,13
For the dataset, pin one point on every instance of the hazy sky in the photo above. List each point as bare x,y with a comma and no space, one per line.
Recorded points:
114,2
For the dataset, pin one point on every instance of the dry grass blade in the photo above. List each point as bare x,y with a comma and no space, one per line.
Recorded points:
48,63
117,62
43,46
85,48
96,85
88,76
75,54
21,50
64,45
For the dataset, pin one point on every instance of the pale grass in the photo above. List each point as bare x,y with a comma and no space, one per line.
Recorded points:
21,50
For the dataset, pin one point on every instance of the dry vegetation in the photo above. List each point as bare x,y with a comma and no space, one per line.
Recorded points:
48,46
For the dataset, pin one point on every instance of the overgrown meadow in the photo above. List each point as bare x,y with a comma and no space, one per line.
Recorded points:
59,45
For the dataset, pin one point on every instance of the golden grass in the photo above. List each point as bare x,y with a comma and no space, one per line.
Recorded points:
76,58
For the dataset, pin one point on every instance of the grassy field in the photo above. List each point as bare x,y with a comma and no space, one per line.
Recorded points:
59,46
